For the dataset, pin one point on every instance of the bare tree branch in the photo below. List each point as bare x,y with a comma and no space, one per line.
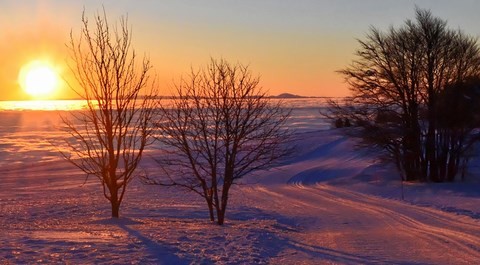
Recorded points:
108,138
220,127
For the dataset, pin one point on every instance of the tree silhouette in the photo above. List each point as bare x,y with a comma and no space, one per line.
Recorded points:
108,137
403,72
220,127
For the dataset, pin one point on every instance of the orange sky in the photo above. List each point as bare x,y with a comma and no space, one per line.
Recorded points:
295,46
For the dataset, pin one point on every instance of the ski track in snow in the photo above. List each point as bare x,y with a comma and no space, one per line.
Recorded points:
327,204
368,229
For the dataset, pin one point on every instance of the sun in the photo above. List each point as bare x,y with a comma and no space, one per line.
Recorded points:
39,79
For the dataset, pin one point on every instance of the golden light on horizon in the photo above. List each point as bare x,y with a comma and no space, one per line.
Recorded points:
39,79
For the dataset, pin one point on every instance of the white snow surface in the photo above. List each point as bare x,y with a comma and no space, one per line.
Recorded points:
329,203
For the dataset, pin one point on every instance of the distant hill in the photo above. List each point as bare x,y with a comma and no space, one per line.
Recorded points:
288,95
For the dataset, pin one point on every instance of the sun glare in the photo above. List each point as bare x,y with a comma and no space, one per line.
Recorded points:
38,79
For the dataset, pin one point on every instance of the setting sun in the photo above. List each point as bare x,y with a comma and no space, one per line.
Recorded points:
38,79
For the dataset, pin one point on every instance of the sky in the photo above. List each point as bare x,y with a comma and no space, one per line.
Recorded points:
295,46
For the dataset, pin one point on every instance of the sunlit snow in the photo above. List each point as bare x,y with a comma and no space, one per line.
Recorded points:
329,203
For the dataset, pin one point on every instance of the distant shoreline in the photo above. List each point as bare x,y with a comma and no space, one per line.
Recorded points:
280,96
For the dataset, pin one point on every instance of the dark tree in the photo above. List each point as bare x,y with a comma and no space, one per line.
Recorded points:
220,127
400,74
458,108
108,137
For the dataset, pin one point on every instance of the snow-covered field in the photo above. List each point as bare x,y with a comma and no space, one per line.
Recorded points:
328,204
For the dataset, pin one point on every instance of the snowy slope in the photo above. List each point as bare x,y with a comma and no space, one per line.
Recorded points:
328,204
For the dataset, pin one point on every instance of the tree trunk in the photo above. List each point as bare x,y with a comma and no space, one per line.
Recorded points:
452,167
412,155
221,216
223,208
115,209
114,202
210,210
430,148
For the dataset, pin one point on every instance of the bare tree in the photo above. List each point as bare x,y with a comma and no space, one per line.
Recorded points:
403,72
108,137
219,128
